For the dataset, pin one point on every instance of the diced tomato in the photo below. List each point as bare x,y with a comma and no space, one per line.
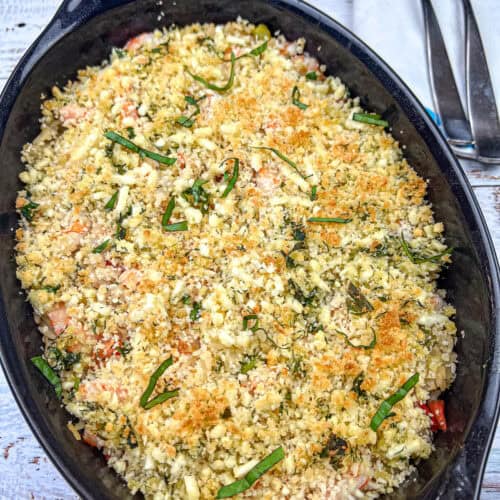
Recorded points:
428,412
90,438
437,409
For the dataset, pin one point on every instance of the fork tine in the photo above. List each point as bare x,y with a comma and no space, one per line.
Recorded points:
480,96
443,86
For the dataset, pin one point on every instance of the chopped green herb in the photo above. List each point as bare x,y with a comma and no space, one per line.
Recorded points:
370,119
299,234
296,99
100,248
314,193
168,213
144,403
249,363
420,259
371,345
335,450
48,373
217,88
197,196
234,176
187,121
357,303
177,226
111,204
63,360
356,385
252,475
195,313
247,319
52,289
119,52
312,75
281,156
121,232
385,408
226,413
304,299
186,299
124,349
27,210
337,220
130,132
113,136
297,368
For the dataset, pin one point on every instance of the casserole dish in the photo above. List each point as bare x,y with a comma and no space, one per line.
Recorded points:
83,33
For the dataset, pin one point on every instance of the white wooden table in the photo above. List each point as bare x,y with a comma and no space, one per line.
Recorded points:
25,471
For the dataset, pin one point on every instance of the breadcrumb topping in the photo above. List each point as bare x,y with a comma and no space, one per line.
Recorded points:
283,331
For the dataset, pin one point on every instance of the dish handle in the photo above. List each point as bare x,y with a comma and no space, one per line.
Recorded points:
72,12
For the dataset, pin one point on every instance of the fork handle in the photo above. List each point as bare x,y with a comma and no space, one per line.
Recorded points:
483,111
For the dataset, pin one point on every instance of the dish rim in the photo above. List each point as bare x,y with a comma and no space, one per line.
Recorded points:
73,14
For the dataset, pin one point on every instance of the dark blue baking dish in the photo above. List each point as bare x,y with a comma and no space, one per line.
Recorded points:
82,33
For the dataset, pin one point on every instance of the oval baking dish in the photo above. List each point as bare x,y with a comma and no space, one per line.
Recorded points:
82,33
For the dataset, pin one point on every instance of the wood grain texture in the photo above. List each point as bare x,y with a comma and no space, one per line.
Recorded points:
25,471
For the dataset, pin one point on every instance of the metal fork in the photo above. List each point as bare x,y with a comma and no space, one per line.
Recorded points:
479,136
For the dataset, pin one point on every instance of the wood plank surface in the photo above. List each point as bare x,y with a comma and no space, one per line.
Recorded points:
25,471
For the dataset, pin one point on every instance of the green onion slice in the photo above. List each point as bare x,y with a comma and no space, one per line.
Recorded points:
257,51
314,193
296,99
100,248
338,220
113,136
168,213
152,384
370,119
252,475
312,75
385,408
234,176
420,259
48,373
177,226
217,88
247,319
281,156
111,204
371,345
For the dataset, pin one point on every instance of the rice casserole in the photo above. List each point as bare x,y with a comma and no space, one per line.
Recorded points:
234,270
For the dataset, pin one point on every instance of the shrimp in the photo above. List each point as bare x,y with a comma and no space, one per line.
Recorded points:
77,227
138,41
94,390
129,109
71,113
268,179
58,318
